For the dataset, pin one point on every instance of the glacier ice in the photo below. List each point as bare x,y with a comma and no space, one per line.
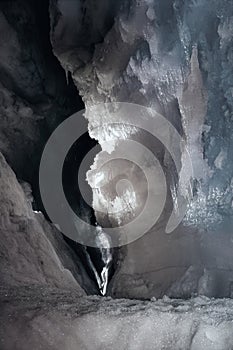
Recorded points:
173,57
176,58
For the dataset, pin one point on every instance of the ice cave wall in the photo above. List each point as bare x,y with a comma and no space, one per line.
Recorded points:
31,251
175,57
34,98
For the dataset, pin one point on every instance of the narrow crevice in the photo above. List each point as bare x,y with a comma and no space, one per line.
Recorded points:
91,257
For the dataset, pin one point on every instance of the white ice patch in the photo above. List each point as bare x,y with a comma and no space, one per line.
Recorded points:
219,161
202,211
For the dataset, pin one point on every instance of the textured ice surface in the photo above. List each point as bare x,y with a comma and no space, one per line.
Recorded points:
175,57
51,320
32,252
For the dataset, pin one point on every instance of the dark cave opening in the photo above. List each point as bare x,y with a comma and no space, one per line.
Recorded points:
55,98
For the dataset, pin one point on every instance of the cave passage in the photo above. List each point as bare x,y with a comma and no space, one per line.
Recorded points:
91,257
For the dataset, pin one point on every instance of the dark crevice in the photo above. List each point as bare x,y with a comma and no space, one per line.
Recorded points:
73,159
37,79
53,97
71,167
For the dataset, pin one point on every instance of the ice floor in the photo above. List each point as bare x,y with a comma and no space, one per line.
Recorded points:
38,319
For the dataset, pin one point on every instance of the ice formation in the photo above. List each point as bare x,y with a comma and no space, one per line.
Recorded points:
174,57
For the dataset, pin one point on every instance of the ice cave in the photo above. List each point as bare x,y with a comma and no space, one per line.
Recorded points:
116,174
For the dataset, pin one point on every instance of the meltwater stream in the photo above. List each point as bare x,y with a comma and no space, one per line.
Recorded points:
102,277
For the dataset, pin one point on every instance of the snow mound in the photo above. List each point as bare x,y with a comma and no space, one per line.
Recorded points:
48,319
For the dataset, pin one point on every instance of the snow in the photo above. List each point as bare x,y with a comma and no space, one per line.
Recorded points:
51,320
